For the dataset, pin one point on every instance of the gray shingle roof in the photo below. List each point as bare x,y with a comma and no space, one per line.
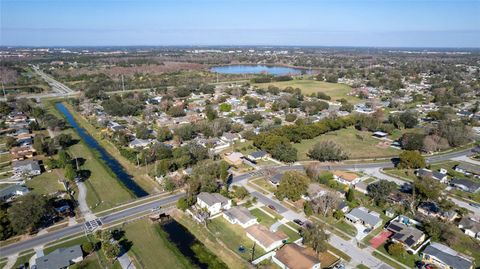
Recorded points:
240,213
362,214
60,258
212,198
447,256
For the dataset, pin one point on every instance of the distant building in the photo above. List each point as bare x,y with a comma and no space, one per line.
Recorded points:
465,185
234,158
439,176
214,203
139,143
265,238
346,178
293,256
60,258
470,226
258,155
445,257
468,169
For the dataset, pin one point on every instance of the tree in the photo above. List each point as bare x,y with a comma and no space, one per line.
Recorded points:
10,142
64,158
396,249
70,172
409,119
350,195
326,203
327,151
111,250
141,131
210,113
291,117
292,186
284,152
315,237
88,247
225,107
380,190
182,204
64,140
412,141
5,227
240,192
164,134
411,160
429,188
28,212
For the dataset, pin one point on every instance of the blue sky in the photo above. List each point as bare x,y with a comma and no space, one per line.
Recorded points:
392,23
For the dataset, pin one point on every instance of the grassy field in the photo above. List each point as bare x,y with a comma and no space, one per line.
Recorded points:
151,248
233,236
46,183
334,90
406,259
101,185
292,235
359,144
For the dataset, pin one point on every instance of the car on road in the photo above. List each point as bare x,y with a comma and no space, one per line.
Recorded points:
272,207
475,205
299,222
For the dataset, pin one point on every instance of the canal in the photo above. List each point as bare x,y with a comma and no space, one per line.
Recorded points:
111,162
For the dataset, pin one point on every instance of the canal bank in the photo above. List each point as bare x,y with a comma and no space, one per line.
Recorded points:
111,163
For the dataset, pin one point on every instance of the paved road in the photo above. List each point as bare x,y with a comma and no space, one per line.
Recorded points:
77,229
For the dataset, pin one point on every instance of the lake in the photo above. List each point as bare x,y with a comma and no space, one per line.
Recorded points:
111,162
257,69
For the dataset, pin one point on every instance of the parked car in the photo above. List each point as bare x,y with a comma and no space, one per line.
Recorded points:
475,205
299,222
272,207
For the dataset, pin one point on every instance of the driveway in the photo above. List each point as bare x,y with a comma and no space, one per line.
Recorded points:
360,231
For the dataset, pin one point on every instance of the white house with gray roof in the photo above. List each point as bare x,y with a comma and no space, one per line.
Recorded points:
445,257
26,167
214,203
361,215
241,216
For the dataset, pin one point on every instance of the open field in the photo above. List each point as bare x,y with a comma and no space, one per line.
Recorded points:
151,248
46,183
359,144
334,90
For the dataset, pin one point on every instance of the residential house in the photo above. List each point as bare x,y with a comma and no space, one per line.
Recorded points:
13,191
465,185
230,137
240,215
258,155
234,158
60,258
361,215
213,202
439,176
379,134
139,143
468,169
471,226
266,239
22,153
293,256
444,257
27,167
409,236
275,179
314,190
346,178
361,187
431,209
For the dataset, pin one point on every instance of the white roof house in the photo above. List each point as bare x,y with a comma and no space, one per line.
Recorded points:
240,215
214,203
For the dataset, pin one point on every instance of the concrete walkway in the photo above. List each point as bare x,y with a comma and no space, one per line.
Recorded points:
11,261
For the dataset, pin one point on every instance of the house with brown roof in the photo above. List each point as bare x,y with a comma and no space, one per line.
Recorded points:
293,256
22,153
346,178
266,239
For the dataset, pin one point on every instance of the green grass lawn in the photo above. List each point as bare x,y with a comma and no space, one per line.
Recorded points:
357,143
101,184
401,173
334,90
264,184
233,236
292,235
263,218
151,248
46,183
90,262
406,259
5,157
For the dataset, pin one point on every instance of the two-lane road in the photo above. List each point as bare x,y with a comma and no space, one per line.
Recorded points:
78,228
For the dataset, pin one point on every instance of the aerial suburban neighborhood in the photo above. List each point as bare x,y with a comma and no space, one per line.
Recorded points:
341,153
